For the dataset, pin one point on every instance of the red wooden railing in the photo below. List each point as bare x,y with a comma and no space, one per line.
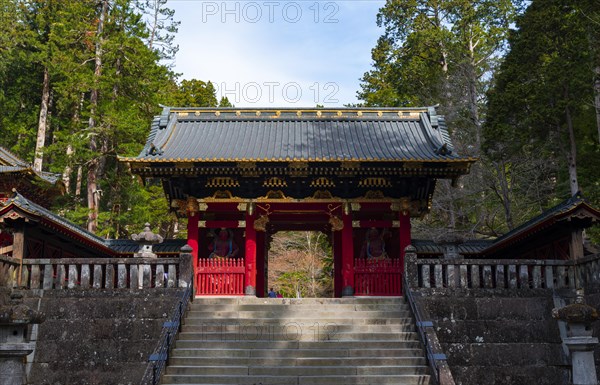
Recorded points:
220,276
378,277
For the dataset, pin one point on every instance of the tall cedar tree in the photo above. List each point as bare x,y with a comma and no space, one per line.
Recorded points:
541,108
104,84
443,52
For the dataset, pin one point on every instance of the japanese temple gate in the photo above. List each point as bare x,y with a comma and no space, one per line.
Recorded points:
341,171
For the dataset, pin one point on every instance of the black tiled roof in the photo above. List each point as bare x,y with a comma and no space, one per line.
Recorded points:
129,246
110,246
209,135
34,209
545,219
10,163
7,158
469,247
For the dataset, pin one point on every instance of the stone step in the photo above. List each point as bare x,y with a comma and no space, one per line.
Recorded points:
191,319
299,314
315,327
363,353
299,307
295,333
297,361
296,370
245,340
207,300
298,380
187,344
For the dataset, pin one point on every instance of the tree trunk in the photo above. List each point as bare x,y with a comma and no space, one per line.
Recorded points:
473,105
93,194
42,123
70,151
154,27
79,181
597,97
66,177
572,155
505,194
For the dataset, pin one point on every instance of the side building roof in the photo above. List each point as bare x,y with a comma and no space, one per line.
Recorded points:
10,163
574,211
19,207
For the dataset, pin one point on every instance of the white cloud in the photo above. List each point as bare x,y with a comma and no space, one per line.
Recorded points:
256,51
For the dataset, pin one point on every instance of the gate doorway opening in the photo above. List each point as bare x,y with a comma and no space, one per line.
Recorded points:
300,264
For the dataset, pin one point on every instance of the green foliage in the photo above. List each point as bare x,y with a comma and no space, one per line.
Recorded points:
444,52
511,116
544,81
131,79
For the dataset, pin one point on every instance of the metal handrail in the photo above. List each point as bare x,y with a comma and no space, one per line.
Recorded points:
432,357
158,360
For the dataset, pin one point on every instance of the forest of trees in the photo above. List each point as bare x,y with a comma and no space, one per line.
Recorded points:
79,84
518,82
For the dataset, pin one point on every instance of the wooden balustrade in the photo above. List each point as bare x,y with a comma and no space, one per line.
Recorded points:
224,276
96,273
504,273
378,277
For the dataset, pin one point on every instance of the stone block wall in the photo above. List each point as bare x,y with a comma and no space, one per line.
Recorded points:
498,337
97,337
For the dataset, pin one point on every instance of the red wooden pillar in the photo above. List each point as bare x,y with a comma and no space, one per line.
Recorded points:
250,256
192,237
193,233
347,254
404,236
260,264
337,263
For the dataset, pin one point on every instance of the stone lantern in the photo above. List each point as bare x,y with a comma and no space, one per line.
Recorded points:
580,342
449,241
14,345
145,240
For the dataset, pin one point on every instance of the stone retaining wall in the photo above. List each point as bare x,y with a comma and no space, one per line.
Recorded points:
499,337
101,337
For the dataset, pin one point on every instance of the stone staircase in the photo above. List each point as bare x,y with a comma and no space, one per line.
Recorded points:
316,341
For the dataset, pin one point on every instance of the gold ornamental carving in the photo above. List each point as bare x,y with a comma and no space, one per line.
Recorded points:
221,195
374,182
275,181
222,181
247,169
189,207
298,169
356,224
374,194
336,223
322,194
275,195
261,223
350,165
242,206
355,206
322,182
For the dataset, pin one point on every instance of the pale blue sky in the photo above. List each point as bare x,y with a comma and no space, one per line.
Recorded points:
278,53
